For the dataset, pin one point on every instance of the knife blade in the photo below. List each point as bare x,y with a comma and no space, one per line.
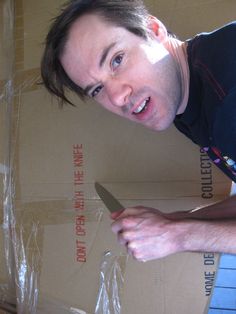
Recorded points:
108,199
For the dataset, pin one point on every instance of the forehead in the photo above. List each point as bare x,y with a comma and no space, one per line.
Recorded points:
93,31
88,37
89,25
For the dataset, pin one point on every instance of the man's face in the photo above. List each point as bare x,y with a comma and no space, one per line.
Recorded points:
135,78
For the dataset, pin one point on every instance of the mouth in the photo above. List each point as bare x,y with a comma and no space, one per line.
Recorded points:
142,107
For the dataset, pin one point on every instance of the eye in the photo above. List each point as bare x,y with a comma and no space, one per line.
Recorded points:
116,61
96,91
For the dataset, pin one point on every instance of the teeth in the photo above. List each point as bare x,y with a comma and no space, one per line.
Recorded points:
142,106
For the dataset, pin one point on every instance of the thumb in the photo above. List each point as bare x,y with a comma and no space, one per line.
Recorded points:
116,214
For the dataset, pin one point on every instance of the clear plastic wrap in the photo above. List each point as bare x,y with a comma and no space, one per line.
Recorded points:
111,284
7,288
21,229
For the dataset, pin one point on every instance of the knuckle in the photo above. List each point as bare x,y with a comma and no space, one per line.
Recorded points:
131,245
125,235
126,222
128,235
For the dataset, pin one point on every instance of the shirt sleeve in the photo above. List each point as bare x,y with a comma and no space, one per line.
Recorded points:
224,128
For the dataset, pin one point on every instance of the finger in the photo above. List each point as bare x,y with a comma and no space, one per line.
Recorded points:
150,248
138,253
125,224
133,211
126,236
131,249
121,240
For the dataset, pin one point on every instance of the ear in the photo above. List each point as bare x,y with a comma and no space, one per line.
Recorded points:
156,29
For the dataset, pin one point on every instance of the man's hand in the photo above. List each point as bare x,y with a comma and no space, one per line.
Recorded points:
147,233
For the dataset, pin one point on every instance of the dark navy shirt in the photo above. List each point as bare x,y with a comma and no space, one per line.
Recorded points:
210,116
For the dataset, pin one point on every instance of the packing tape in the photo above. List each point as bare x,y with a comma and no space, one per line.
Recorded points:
19,34
27,81
56,212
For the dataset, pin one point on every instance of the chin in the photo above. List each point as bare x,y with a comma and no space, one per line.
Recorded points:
160,127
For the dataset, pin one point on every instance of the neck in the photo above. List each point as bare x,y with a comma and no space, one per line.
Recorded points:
179,51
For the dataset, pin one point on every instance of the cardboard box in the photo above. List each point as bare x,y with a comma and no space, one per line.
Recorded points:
62,241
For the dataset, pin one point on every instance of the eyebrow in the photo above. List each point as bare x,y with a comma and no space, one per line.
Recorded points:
105,53
103,58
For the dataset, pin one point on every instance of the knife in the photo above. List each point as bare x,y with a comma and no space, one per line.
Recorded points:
108,199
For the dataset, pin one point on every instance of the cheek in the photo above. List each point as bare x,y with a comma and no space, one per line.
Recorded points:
145,72
137,68
141,75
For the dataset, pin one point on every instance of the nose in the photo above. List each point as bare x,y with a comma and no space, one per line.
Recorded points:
118,93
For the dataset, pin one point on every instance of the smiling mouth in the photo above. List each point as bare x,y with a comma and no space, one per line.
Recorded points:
142,107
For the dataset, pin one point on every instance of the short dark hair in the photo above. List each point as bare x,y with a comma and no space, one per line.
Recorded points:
129,14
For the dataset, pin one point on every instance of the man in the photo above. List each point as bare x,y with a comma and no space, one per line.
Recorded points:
115,52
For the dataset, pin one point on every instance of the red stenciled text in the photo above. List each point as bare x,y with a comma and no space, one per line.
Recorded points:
80,251
79,204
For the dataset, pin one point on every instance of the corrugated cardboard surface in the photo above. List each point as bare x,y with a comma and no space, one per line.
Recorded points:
62,229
